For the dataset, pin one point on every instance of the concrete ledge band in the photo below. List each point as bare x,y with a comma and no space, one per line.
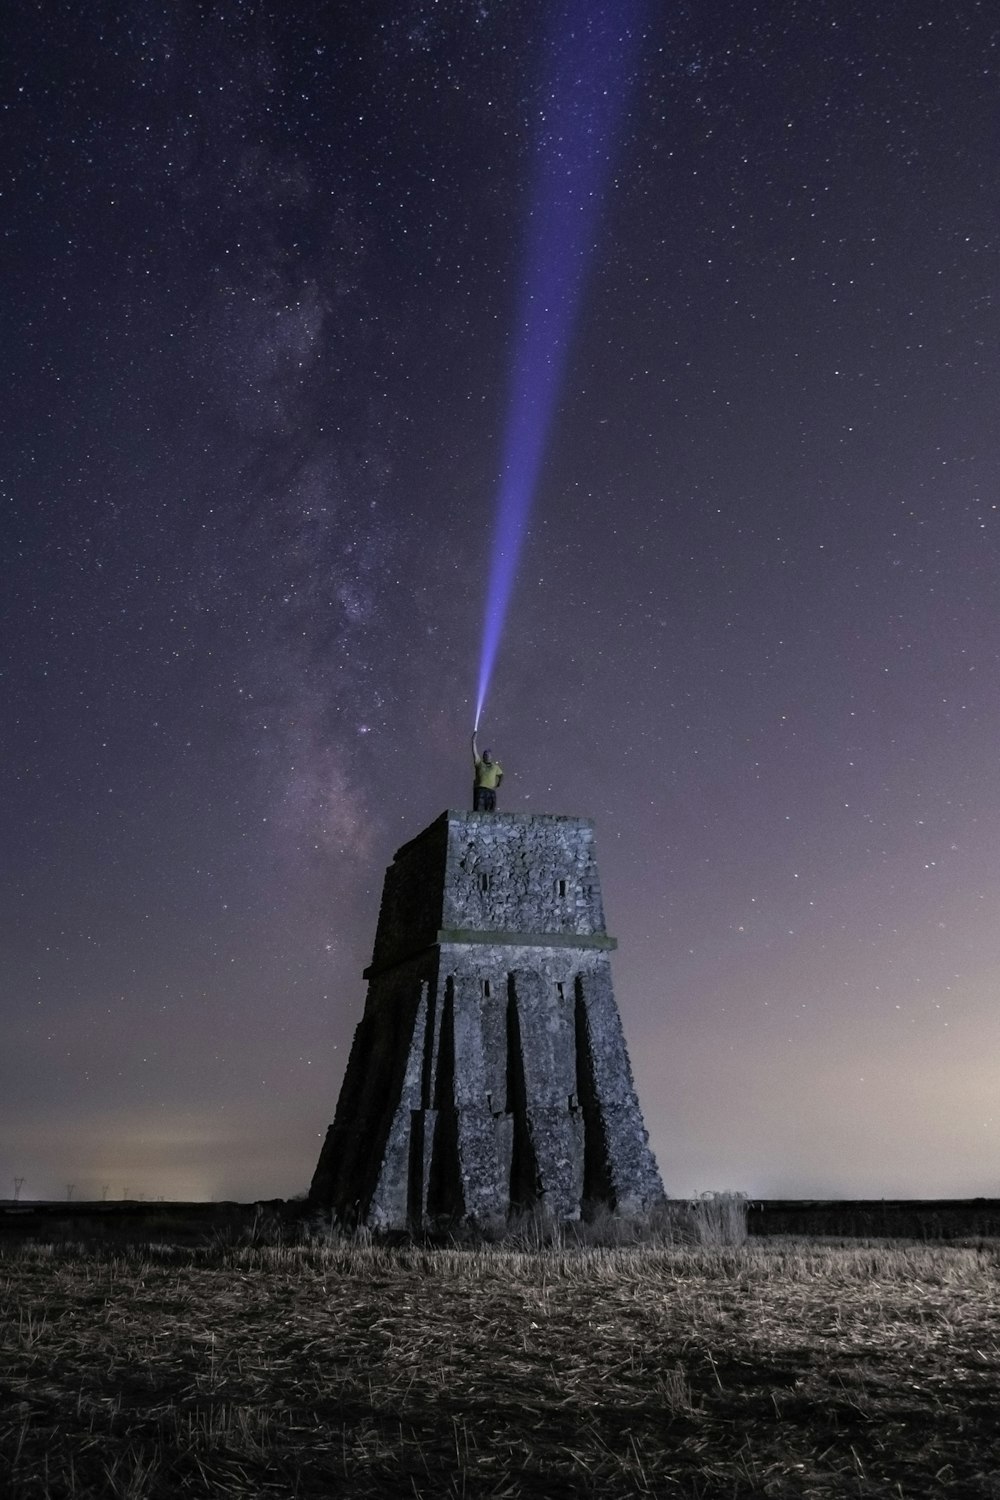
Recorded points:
502,940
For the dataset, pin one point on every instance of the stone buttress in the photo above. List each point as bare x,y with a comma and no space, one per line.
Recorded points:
489,1075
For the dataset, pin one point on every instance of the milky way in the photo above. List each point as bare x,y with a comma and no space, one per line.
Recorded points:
259,268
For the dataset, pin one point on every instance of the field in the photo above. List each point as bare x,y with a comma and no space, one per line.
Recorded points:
779,1368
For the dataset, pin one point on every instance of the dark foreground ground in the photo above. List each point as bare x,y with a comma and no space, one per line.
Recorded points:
779,1368
193,1224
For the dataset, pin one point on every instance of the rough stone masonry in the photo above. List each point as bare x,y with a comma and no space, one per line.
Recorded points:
489,1075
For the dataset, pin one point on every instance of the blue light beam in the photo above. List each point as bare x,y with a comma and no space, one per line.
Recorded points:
590,55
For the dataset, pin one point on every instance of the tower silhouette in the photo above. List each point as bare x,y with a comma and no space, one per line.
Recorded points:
489,1074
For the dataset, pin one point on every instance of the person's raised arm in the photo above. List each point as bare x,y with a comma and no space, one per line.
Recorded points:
475,750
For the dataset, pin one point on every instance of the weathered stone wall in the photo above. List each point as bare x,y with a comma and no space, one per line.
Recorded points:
490,872
522,872
489,1074
412,896
365,1156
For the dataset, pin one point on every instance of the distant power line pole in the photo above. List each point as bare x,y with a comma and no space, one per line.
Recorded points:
70,1190
18,1185
104,1192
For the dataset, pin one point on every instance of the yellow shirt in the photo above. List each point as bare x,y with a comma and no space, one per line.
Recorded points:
488,775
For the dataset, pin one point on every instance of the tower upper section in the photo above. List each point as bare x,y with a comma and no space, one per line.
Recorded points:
530,876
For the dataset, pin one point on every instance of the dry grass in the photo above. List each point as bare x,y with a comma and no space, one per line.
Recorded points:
779,1369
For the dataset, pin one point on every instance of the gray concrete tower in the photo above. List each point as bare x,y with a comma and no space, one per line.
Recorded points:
489,1074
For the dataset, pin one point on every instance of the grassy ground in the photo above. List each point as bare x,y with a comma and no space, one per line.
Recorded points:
778,1369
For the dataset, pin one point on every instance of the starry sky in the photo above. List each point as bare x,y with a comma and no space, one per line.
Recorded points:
259,266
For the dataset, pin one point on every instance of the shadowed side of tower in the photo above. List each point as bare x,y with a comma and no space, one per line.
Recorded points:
489,1074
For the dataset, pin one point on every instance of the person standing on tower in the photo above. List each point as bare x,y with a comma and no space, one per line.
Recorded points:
489,774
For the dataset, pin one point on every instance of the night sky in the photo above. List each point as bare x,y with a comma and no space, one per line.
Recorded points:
260,266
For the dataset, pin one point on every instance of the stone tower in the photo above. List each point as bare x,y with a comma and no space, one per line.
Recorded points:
489,1074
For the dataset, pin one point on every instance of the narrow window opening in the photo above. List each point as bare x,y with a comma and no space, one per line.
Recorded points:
562,887
560,991
486,989
484,882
